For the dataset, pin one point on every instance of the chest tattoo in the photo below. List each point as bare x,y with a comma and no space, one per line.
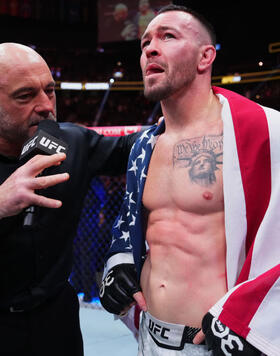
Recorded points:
201,156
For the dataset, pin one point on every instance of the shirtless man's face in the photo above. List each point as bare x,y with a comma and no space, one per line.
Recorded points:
171,50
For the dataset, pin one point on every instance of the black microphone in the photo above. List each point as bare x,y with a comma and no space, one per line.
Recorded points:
45,142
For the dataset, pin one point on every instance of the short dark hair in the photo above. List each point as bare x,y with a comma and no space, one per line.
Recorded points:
206,24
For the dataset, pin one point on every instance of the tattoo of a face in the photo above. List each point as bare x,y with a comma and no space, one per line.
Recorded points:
201,156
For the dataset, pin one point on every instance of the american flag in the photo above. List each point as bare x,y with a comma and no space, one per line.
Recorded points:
127,226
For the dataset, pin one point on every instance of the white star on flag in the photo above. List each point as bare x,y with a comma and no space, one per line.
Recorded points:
132,223
125,235
133,167
152,141
143,175
131,201
142,156
113,241
119,222
144,135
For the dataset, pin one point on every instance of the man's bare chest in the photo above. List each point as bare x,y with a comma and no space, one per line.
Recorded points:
186,175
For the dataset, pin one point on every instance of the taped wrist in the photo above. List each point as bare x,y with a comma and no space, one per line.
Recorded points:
223,341
117,288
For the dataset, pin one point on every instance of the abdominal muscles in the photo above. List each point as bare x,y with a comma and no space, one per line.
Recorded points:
184,272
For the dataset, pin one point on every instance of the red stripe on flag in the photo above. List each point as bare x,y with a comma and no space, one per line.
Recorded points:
253,147
252,140
238,313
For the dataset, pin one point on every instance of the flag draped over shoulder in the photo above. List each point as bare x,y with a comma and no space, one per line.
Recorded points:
251,176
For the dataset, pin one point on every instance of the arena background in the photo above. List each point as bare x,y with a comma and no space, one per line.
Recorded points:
99,85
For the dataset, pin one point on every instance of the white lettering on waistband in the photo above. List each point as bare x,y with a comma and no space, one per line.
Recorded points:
167,335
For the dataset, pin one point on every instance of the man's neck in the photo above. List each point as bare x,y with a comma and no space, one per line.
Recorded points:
194,108
9,150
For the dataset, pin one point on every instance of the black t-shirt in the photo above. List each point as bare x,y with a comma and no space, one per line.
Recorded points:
35,261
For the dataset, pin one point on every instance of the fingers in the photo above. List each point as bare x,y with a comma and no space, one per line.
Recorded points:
139,298
40,200
37,164
45,182
20,189
48,181
199,337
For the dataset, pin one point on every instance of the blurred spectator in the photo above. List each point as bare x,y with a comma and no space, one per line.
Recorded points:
119,26
144,16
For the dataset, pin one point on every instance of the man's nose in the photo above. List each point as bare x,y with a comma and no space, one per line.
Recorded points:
44,105
152,49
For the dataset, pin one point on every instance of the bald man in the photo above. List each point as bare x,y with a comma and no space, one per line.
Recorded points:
39,310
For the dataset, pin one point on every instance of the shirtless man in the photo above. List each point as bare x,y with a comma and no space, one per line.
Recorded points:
180,208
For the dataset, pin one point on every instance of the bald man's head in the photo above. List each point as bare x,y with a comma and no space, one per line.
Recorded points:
27,95
14,56
13,51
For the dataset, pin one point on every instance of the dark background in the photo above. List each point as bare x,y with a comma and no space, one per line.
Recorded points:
244,28
65,33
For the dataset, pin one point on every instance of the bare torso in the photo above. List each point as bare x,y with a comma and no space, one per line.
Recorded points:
184,272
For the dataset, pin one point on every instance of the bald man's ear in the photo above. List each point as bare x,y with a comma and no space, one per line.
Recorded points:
207,57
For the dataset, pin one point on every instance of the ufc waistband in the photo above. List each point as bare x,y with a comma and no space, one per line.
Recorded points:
167,335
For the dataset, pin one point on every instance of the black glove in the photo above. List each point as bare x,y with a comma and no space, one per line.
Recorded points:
223,341
118,287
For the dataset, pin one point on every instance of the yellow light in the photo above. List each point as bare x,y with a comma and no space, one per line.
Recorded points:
231,79
274,47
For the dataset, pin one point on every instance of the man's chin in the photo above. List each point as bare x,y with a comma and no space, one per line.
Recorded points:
155,95
32,130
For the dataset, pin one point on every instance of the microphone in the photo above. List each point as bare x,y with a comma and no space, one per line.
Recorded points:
45,142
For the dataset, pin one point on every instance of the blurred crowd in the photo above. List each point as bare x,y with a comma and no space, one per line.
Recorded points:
129,108
90,61
132,108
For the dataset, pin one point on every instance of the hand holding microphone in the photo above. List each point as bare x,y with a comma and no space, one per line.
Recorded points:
19,190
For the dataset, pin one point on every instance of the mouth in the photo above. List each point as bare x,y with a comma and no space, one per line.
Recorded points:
36,122
34,125
153,69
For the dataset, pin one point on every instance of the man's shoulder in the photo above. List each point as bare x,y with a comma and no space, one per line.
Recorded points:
69,126
75,131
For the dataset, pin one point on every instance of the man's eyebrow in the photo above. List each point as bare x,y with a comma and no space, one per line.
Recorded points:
51,84
159,29
24,90
21,91
146,34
